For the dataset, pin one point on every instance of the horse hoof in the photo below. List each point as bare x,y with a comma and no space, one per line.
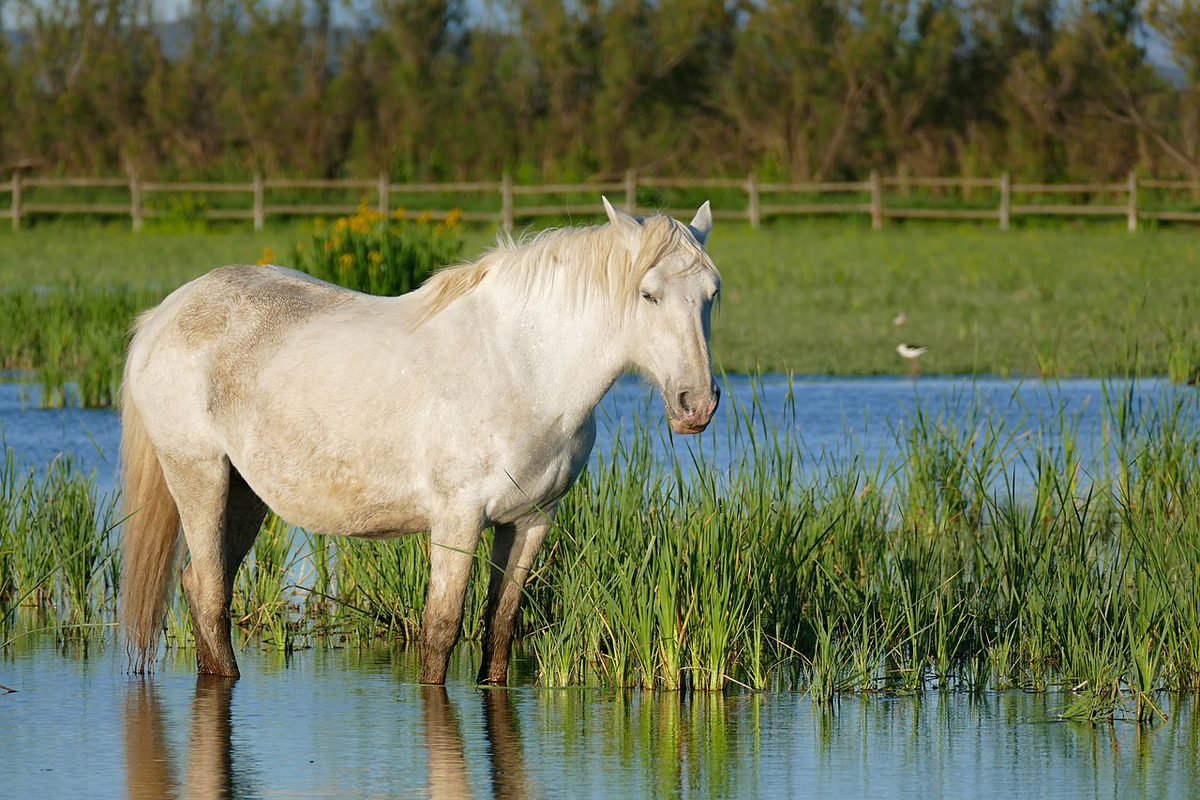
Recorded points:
499,679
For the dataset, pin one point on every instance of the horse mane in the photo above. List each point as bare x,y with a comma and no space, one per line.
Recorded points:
585,265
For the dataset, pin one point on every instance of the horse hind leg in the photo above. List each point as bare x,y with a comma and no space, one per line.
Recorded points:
217,514
244,516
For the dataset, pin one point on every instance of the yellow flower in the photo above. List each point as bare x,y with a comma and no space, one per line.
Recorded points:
320,223
347,260
400,213
454,217
268,257
375,257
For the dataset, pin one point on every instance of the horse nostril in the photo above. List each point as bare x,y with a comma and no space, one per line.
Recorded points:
683,401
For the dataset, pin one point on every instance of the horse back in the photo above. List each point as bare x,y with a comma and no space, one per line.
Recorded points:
249,303
226,325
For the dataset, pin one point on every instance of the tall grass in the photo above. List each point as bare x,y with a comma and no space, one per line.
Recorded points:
71,339
976,559
58,554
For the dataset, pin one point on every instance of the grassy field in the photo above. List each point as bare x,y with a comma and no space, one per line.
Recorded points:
1094,300
810,298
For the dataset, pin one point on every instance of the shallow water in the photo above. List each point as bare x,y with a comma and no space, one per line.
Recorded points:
348,723
338,723
830,419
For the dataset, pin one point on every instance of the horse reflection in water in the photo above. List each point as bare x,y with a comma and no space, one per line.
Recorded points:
150,773
210,770
447,757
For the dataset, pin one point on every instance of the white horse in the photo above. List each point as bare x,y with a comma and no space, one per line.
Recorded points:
466,404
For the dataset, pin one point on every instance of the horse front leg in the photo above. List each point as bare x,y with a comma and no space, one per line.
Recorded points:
451,555
513,553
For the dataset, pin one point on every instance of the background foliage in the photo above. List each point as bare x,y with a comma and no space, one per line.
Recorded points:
369,252
443,89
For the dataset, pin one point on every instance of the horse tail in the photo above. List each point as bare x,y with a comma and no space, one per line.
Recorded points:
151,535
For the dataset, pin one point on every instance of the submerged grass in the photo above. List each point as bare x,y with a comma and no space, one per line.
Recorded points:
976,560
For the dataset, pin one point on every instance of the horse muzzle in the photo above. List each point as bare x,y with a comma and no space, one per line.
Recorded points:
692,411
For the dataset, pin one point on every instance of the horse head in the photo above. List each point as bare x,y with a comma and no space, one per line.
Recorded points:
671,316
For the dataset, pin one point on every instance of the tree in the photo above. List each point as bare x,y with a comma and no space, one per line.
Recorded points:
793,90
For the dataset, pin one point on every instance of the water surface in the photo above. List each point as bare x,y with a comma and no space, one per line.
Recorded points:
828,419
351,723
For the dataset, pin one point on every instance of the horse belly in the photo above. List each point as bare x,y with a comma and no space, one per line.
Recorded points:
339,503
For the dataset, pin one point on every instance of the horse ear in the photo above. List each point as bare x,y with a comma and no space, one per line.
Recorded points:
620,219
702,223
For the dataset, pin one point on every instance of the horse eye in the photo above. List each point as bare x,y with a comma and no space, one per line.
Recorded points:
649,298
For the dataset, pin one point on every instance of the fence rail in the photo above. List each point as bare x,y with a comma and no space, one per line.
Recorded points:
881,198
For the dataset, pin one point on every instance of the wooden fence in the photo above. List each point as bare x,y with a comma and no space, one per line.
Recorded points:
881,198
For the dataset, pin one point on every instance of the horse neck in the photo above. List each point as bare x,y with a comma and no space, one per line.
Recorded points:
574,350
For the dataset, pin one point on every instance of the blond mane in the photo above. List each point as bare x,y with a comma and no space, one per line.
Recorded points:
580,265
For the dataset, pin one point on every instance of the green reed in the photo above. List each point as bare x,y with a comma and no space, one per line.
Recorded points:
71,339
984,556
58,554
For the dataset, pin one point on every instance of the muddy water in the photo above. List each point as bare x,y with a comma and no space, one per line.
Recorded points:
349,723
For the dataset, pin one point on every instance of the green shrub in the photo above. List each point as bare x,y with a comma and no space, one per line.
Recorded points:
373,253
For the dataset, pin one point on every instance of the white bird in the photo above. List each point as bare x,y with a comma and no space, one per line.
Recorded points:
912,354
900,319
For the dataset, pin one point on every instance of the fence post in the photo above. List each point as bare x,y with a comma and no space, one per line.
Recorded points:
1131,215
876,201
16,199
506,203
752,204
1005,200
385,193
260,212
631,192
135,201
